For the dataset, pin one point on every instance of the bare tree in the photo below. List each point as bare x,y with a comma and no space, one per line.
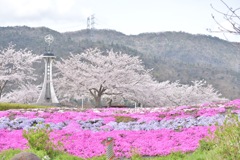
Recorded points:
232,16
27,93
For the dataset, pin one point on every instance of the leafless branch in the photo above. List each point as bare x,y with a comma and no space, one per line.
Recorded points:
230,16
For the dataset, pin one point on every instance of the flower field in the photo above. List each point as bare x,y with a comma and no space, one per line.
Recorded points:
150,131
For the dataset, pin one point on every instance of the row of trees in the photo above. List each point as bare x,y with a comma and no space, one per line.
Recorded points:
99,75
112,75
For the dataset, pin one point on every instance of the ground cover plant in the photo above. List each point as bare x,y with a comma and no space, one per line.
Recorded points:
152,132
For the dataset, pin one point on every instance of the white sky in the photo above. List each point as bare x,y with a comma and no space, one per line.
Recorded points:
126,16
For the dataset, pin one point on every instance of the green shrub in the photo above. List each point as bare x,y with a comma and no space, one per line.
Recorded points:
39,140
225,144
227,139
206,145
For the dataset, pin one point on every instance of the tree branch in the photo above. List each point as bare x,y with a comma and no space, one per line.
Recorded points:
231,17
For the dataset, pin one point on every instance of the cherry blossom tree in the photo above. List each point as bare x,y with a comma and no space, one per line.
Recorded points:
110,74
27,93
16,67
101,74
176,94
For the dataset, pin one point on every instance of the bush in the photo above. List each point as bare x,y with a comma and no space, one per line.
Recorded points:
227,139
225,144
206,145
39,140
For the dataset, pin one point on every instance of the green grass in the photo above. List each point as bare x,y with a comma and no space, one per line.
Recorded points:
7,106
125,119
8,154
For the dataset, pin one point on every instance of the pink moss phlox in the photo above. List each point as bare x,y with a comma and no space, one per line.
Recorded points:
12,139
87,143
4,113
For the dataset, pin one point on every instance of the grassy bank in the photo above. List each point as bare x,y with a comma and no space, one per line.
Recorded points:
7,106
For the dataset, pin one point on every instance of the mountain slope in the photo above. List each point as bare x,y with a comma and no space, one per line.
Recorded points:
172,55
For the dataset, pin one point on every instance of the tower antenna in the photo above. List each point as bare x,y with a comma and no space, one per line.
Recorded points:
92,21
48,95
88,23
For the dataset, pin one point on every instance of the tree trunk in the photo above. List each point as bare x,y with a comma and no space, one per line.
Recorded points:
98,101
97,94
3,84
110,103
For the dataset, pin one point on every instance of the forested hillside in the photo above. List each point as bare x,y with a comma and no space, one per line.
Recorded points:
172,55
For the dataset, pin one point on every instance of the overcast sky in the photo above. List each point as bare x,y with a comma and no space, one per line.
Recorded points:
126,16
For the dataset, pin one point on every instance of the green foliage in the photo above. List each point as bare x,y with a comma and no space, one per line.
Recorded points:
39,139
172,156
7,106
224,144
227,139
125,119
177,155
136,157
135,154
206,145
65,156
40,153
98,158
8,154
